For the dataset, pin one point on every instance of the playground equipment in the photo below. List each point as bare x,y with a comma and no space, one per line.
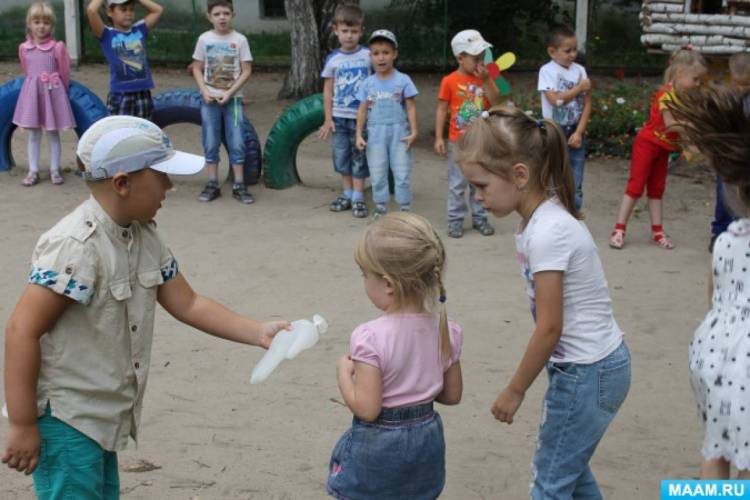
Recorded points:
87,108
295,123
184,106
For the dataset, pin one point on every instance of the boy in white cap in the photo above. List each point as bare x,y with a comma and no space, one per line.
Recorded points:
78,343
464,94
124,48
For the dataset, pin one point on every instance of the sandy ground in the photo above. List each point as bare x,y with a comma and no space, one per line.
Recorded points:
209,434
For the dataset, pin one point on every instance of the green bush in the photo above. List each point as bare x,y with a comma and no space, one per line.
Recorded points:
619,111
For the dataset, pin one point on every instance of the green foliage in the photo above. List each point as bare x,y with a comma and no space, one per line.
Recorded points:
619,111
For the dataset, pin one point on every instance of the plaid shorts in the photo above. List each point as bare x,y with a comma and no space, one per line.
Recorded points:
131,103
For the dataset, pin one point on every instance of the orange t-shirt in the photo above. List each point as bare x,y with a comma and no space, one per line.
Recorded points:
653,130
466,100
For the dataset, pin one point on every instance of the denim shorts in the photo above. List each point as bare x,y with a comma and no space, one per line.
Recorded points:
347,159
580,402
72,465
401,455
223,122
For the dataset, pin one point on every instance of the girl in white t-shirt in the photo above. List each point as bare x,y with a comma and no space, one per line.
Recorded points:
519,164
398,365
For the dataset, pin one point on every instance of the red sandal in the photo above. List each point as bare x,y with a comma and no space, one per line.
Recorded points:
660,239
617,238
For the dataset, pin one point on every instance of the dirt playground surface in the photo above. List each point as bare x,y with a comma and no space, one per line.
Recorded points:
208,434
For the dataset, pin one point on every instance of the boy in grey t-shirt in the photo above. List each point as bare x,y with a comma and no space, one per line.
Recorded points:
222,66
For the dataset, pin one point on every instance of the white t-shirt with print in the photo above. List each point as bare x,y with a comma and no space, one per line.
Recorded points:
554,240
556,78
222,56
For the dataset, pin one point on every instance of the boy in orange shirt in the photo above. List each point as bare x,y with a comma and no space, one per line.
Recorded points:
464,94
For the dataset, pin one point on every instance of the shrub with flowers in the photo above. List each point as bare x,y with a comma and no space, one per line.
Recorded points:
619,111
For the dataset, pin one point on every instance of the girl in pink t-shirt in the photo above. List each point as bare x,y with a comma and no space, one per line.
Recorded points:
43,102
398,365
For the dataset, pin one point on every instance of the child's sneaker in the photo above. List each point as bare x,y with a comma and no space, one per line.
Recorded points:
456,229
210,192
241,194
359,209
341,204
378,212
484,227
406,208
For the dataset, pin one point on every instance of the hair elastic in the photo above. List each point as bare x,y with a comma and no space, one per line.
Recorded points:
539,123
442,299
485,114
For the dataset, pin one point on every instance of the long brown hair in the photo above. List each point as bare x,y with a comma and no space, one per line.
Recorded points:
405,248
717,122
506,135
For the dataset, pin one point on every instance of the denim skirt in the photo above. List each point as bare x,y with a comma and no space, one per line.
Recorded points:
401,455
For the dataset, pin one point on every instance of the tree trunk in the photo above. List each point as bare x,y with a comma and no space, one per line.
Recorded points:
312,40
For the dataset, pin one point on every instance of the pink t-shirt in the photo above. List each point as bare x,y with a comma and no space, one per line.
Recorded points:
406,349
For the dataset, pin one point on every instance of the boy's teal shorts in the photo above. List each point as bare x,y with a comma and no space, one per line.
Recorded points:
72,465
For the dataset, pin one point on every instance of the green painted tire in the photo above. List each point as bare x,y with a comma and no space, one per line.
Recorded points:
280,153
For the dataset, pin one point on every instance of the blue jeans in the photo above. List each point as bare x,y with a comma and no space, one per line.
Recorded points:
457,184
577,159
399,456
72,465
580,402
722,214
227,120
347,159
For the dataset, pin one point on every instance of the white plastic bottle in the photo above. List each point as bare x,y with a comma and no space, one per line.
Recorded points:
289,343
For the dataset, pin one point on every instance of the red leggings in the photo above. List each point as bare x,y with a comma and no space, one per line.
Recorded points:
648,168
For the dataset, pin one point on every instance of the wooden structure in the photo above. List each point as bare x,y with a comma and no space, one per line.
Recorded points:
713,29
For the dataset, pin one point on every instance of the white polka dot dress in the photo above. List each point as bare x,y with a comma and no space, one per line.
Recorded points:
720,352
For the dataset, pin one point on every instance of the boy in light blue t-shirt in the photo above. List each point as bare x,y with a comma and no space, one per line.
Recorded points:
388,109
344,71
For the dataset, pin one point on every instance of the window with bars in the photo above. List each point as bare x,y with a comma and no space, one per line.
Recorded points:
272,8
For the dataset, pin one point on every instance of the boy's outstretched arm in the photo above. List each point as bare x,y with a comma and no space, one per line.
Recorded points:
154,12
95,19
181,301
36,313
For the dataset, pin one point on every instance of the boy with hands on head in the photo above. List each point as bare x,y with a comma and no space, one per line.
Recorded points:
464,94
343,72
124,48
78,344
221,66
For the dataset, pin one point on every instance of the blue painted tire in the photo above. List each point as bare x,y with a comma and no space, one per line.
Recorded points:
184,106
87,108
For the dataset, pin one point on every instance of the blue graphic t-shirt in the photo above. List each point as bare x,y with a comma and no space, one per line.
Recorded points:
125,52
348,70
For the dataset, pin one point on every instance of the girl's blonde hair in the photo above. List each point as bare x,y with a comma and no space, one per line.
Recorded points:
717,122
40,10
405,248
505,136
682,59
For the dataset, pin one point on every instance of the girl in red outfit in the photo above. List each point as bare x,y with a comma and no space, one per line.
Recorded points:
652,145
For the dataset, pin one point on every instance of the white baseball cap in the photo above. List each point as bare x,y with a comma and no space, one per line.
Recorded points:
116,2
385,35
128,144
469,41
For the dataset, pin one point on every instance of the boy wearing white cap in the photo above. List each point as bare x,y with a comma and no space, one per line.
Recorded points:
124,48
78,343
464,94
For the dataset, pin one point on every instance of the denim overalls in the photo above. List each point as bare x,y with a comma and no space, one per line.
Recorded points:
387,125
